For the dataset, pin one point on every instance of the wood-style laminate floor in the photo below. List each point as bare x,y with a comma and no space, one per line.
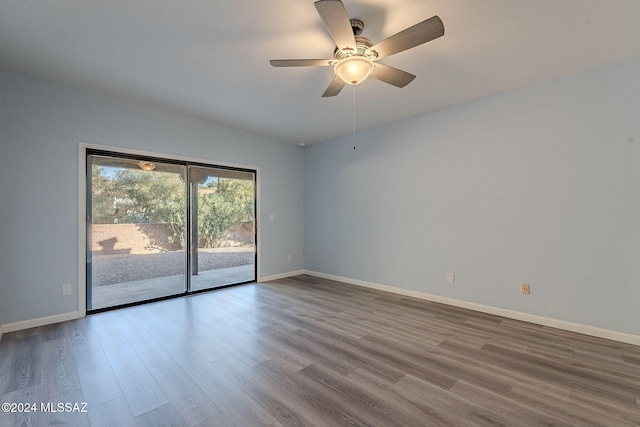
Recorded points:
311,352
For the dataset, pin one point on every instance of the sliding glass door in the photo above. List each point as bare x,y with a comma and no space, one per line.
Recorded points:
222,205
157,228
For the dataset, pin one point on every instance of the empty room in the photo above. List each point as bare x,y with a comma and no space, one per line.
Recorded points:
320,213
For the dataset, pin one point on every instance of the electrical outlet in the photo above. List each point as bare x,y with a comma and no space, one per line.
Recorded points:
289,258
66,289
525,289
450,277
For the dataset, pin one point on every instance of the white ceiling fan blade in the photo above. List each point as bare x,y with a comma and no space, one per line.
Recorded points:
391,75
334,87
420,33
300,62
335,18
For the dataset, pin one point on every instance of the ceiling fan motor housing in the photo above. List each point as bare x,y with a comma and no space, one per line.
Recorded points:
362,44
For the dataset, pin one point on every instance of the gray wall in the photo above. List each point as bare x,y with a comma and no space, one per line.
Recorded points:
539,185
43,122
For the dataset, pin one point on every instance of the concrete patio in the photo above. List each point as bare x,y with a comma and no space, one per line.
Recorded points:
141,290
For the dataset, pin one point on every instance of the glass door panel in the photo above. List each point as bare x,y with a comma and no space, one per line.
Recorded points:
136,231
222,213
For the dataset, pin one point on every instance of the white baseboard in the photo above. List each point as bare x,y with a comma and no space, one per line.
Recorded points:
525,317
41,321
281,275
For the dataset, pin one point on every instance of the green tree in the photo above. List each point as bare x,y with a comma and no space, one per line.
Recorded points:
144,197
229,204
102,200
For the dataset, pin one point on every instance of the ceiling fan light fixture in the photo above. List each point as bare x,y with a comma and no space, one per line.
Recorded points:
353,70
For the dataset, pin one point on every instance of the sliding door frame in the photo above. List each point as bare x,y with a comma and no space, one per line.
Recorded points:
84,149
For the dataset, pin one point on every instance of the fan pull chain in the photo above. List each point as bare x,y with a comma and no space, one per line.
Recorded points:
354,117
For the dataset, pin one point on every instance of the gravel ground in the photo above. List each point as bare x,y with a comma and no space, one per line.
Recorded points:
111,269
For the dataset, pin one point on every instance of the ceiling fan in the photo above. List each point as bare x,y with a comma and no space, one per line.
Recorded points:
355,57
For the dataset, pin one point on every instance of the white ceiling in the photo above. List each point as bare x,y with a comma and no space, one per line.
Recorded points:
210,58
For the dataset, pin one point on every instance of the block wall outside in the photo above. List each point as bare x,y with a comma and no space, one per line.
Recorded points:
110,239
130,238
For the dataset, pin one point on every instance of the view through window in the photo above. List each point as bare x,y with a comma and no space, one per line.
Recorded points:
158,228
